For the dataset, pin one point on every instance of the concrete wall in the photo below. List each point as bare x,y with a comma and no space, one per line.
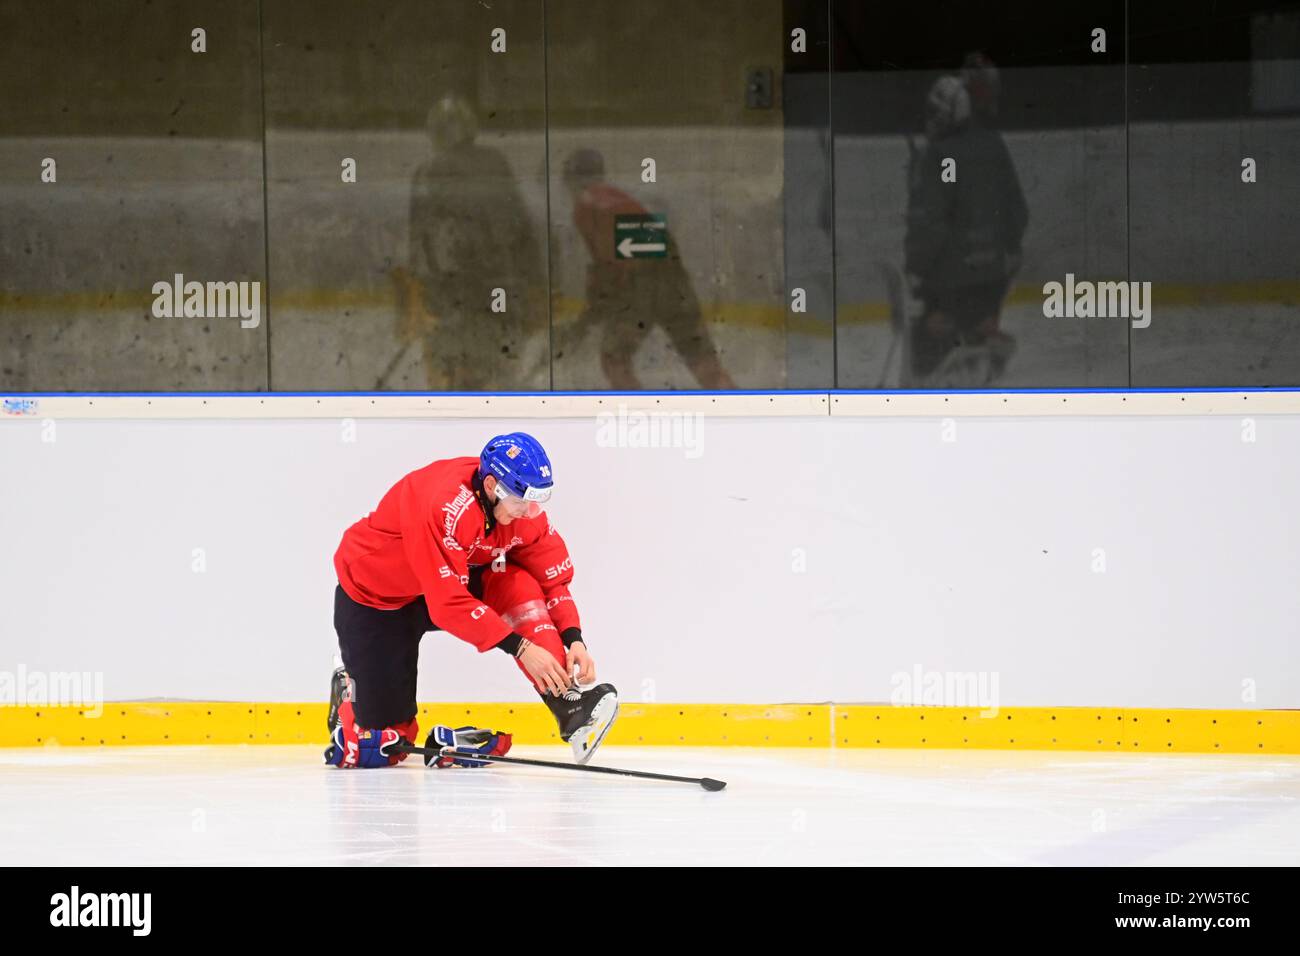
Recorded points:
160,155
332,246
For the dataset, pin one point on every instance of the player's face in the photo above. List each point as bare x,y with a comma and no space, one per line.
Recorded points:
511,507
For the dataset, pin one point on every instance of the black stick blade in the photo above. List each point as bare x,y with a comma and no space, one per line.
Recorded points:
713,786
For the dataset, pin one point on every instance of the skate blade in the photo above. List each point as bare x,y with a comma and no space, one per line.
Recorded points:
587,738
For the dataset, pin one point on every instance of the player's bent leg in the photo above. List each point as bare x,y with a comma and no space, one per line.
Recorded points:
372,698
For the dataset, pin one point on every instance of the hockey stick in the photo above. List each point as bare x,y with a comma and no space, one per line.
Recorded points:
706,782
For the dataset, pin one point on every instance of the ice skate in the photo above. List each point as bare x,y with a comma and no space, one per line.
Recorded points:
584,717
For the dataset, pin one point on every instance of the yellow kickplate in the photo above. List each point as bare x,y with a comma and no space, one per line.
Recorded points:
1069,728
714,725
749,725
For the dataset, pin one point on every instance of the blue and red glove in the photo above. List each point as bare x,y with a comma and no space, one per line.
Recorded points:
466,740
355,746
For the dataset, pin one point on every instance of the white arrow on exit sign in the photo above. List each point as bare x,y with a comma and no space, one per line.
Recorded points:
627,248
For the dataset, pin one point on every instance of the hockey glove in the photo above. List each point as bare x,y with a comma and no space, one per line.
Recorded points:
466,740
354,746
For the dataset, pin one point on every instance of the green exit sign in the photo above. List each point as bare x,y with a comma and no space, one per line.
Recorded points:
640,236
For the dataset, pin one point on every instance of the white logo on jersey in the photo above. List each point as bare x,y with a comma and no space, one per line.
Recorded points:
453,511
557,569
478,612
446,572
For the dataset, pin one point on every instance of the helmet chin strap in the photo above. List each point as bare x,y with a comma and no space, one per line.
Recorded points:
489,508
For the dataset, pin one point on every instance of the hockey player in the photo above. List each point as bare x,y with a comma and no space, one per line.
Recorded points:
462,545
963,237
470,232
626,298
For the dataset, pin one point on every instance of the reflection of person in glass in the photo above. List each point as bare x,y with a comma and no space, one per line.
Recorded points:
470,234
963,237
627,297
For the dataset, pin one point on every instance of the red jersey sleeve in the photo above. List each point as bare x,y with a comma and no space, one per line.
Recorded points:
437,556
547,559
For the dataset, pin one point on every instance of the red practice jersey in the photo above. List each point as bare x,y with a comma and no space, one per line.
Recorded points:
428,531
594,214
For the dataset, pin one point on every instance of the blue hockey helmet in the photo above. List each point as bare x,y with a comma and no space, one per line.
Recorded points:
520,466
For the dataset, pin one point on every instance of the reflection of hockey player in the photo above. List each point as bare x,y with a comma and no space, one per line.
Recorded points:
963,238
470,234
627,297
461,545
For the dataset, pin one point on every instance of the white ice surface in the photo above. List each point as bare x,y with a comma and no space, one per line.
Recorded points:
279,805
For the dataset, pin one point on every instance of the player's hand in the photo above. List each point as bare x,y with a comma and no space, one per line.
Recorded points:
577,656
547,673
